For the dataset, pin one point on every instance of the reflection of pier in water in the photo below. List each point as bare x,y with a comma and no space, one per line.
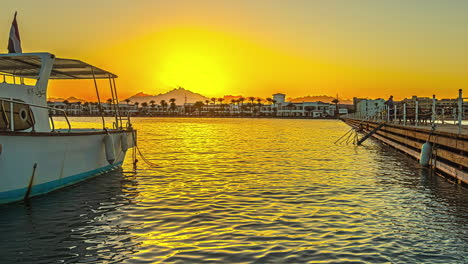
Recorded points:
85,223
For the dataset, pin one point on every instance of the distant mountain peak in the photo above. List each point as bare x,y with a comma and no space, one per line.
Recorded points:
141,94
70,99
318,98
181,95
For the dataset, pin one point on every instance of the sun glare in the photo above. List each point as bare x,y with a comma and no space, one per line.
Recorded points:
194,70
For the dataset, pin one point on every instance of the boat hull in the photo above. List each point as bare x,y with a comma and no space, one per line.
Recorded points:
37,163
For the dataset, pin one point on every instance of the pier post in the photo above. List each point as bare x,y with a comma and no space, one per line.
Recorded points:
460,110
433,116
388,113
454,115
416,110
395,114
443,115
404,114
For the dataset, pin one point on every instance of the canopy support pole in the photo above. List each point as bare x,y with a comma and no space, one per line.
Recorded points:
114,103
117,98
99,100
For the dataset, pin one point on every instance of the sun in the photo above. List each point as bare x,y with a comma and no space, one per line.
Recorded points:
194,71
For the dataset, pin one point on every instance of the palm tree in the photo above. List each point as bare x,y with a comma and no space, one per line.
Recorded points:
241,101
67,103
259,100
198,105
127,100
109,102
336,101
251,99
152,102
79,107
173,104
163,105
86,107
207,102
220,100
213,100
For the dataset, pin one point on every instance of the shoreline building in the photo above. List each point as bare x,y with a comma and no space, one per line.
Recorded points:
368,107
278,107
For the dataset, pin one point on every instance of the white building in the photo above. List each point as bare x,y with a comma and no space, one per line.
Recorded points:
368,107
306,109
279,98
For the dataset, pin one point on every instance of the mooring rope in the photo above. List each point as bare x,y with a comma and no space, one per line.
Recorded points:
136,150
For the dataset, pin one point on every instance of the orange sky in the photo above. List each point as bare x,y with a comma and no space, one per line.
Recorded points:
255,48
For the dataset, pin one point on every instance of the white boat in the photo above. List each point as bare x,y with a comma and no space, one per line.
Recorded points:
35,157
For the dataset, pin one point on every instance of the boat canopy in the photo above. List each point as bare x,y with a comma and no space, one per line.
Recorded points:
28,65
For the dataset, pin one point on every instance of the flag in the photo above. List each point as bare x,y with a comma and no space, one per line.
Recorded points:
14,43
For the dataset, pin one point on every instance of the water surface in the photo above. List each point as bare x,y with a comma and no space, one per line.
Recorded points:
245,191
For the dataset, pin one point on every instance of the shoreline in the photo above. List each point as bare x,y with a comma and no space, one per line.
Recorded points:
233,117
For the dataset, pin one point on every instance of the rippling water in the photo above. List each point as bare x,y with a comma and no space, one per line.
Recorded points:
245,191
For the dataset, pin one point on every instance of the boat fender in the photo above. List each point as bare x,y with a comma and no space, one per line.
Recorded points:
109,145
124,142
426,152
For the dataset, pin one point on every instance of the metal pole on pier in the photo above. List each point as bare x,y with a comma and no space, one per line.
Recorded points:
395,114
388,113
404,114
443,115
433,116
416,119
460,110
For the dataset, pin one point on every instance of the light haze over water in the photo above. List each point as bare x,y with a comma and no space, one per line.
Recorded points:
245,191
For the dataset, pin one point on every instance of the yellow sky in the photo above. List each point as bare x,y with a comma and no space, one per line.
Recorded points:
254,48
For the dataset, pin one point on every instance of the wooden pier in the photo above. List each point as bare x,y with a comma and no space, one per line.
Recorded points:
449,151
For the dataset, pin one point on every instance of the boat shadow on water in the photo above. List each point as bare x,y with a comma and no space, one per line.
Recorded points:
83,223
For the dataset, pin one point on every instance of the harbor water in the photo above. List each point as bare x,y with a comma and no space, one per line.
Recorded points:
238,190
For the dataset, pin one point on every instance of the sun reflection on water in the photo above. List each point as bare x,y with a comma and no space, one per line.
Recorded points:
266,190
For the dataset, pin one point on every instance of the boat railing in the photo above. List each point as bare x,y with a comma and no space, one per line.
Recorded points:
11,78
10,120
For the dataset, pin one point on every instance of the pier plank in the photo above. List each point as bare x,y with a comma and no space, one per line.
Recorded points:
453,141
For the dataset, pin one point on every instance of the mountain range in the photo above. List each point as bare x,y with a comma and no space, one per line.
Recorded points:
70,99
321,98
185,96
180,94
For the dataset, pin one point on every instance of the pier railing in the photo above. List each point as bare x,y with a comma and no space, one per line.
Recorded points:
452,113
